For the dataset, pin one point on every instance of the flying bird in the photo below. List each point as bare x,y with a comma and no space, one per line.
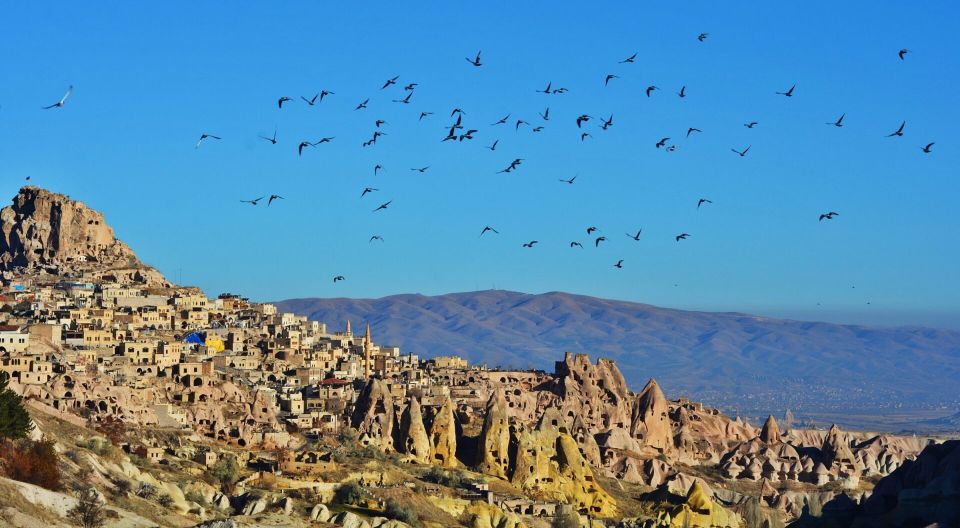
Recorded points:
405,100
591,229
488,228
547,90
788,93
475,61
368,190
379,122
582,118
662,142
681,236
324,93
338,278
703,201
584,136
310,101
282,100
502,121
576,244
683,91
741,153
203,137
899,131
272,198
530,244
702,36
410,87
375,237
619,264
691,130
383,206
902,53
828,216
607,123
390,82
520,122
839,122
493,147
272,140
546,114
424,114
926,149
421,170
363,104
303,144
252,202
637,236
650,90
629,60
751,124
377,168
596,243
324,140
537,129
570,181
62,101
609,77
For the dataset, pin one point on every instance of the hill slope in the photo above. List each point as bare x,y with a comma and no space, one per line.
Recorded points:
732,360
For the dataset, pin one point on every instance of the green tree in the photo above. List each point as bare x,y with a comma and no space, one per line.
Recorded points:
225,472
349,493
14,418
88,512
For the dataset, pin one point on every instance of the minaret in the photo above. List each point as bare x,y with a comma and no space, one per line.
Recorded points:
367,346
349,331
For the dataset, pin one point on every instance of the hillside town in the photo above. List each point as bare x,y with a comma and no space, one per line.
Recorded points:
89,336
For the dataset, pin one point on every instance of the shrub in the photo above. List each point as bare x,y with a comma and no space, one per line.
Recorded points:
196,497
349,493
165,500
100,446
146,491
123,486
14,419
444,478
396,510
226,473
113,428
565,520
32,462
88,512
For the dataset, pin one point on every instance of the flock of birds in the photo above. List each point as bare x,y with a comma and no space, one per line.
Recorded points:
457,131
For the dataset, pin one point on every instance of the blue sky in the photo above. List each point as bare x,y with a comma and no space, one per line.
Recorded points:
149,79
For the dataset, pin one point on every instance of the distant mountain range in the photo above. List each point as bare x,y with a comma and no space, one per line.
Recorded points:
732,360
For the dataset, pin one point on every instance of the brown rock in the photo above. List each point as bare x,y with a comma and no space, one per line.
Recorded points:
374,415
770,432
650,422
413,439
443,436
495,438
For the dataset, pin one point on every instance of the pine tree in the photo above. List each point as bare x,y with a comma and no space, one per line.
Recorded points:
14,418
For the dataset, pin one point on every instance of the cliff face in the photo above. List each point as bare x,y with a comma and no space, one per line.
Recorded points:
42,228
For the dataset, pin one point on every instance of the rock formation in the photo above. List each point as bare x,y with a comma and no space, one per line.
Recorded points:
700,510
413,435
495,438
650,422
770,433
443,436
374,415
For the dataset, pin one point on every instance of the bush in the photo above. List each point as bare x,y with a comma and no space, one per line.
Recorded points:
565,520
100,446
165,500
124,486
113,428
31,462
146,491
349,493
196,497
226,473
449,479
396,510
88,512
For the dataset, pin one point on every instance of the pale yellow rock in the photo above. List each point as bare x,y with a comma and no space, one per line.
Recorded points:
700,511
413,435
495,438
443,437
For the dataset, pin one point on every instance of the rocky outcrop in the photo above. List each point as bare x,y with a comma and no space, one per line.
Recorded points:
494,444
413,439
443,437
700,510
770,433
44,228
650,422
374,416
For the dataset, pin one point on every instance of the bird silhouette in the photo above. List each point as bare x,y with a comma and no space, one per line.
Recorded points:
410,87
926,149
576,244
703,201
377,168
545,114
828,216
741,153
375,237
903,53
899,131
405,100
547,90
324,140
339,278
272,198
282,100
367,190
272,140
490,229
204,137
650,90
609,77
683,92
379,122
493,147
383,206
475,61
424,114
537,129
596,243
390,82
421,170
301,146
751,124
591,229
637,236
619,264
582,118
520,122
62,101
691,130
584,136
530,244
363,104
310,101
502,120
662,142
324,93
570,181
681,236
629,60
839,122
702,36
607,123
252,202
467,135
788,93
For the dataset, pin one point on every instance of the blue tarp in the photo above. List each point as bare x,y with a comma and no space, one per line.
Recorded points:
194,339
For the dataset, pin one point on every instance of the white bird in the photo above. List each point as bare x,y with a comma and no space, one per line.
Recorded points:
62,101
